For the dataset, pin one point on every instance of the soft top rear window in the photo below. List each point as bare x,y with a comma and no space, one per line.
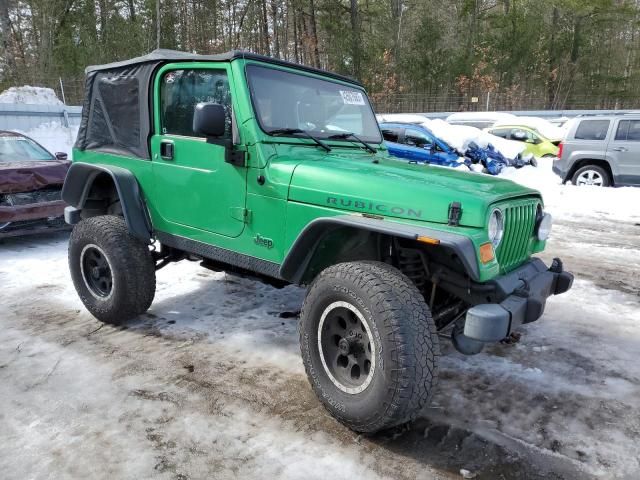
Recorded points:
592,130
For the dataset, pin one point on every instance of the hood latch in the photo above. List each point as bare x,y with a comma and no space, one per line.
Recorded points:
455,212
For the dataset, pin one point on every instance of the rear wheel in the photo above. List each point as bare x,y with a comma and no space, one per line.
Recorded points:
112,271
369,345
591,175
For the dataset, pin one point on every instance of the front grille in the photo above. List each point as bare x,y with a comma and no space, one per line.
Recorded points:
519,222
37,196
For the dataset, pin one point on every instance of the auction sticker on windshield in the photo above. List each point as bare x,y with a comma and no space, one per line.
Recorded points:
352,98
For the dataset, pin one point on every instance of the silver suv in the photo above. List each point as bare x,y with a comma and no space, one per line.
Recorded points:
602,151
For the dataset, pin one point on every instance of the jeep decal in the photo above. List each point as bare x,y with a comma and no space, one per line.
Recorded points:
374,207
263,241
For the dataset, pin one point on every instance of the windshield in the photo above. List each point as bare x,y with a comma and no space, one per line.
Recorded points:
15,149
323,108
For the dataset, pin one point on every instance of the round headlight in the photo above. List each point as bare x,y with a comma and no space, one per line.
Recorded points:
496,227
543,229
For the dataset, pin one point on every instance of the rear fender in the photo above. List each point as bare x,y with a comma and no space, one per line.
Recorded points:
78,184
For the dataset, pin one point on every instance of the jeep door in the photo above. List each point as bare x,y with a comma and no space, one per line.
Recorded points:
194,185
624,150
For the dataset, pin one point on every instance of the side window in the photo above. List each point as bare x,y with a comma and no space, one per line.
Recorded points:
628,130
182,90
592,130
392,134
518,134
634,131
416,138
501,132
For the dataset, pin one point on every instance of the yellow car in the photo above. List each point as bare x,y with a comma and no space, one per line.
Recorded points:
536,143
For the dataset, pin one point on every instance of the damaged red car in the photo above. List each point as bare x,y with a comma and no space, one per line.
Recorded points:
31,180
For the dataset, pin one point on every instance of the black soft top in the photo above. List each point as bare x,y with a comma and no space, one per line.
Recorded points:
117,111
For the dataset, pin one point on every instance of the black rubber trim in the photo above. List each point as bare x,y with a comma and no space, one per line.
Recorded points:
626,180
222,255
303,249
78,183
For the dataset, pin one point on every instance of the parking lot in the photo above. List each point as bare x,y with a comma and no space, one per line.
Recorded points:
209,383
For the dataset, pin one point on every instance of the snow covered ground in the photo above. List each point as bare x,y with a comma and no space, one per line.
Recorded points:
209,382
570,202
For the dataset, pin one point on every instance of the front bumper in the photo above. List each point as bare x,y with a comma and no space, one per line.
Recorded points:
558,171
525,292
16,220
31,211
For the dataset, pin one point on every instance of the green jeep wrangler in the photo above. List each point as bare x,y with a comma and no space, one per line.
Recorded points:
266,168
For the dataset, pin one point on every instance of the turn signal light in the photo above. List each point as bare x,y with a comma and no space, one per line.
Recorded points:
486,253
428,240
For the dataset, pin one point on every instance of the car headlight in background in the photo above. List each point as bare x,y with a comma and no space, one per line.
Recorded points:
496,227
543,224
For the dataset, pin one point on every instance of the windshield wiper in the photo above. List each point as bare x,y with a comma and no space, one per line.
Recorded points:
293,131
355,137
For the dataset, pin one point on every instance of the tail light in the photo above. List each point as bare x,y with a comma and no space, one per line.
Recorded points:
560,146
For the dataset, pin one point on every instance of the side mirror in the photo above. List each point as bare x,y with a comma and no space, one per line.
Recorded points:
61,156
209,119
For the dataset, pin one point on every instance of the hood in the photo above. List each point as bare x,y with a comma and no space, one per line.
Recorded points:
32,175
394,188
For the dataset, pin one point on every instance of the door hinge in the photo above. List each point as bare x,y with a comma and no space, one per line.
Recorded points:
240,213
236,157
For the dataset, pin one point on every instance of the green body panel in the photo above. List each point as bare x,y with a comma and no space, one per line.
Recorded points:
199,196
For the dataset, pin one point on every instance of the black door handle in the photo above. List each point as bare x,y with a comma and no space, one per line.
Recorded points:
166,150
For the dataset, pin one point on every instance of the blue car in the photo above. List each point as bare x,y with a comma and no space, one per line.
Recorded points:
417,144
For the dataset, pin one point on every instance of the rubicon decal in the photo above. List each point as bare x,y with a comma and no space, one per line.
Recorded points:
379,208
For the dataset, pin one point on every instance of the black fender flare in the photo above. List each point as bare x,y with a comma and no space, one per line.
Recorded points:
80,178
301,253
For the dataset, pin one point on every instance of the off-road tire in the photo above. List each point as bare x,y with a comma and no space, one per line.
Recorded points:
406,344
606,178
131,265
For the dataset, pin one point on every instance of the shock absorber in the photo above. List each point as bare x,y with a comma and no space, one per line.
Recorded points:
411,264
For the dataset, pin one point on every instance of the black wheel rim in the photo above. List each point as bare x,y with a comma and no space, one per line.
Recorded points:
347,349
96,271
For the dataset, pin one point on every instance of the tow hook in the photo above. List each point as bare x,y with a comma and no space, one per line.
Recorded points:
556,266
563,280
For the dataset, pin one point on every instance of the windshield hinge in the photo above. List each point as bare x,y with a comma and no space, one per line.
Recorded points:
236,157
455,212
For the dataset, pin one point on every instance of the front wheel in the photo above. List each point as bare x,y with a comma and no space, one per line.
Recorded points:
112,271
369,345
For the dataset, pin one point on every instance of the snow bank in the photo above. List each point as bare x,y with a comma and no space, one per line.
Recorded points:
54,137
30,96
570,202
458,136
544,127
562,201
463,135
481,116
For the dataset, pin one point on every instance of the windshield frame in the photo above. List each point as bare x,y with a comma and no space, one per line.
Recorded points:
19,137
303,73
